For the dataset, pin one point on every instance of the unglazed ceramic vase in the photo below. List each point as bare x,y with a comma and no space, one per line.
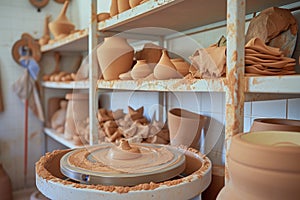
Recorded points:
141,70
61,27
123,5
113,8
77,112
263,166
115,56
46,37
134,3
5,185
185,127
273,124
165,69
181,66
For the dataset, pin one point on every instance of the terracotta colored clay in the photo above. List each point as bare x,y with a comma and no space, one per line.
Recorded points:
185,127
77,112
151,53
210,61
181,66
134,3
217,183
102,16
123,5
165,69
58,119
258,45
263,165
5,185
114,8
273,124
46,37
115,56
61,27
126,76
141,70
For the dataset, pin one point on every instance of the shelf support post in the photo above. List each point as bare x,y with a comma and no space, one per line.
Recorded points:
234,81
93,74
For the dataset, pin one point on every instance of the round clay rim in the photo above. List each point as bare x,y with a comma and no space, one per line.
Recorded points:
284,122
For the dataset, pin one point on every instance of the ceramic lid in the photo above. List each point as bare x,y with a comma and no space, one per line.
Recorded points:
123,165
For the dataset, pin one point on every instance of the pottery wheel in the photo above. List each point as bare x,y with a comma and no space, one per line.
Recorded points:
123,165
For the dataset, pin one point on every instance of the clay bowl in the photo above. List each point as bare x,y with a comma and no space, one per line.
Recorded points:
196,178
102,16
273,124
263,165
185,127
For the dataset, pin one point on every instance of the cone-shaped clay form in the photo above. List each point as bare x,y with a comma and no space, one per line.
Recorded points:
140,70
114,8
123,5
46,37
61,27
134,3
165,69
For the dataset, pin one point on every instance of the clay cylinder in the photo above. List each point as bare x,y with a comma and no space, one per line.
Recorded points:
77,112
113,8
115,56
185,127
5,185
123,5
134,3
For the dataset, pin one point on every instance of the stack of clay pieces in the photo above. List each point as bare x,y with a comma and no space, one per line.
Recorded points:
133,126
261,59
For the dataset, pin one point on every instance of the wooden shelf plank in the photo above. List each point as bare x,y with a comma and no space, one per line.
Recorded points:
60,138
77,41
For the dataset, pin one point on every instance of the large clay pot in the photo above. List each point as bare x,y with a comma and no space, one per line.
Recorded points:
140,70
77,112
61,27
165,69
114,8
5,185
115,56
123,5
273,124
185,127
134,3
263,166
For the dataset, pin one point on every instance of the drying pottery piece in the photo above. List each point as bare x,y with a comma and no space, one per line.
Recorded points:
5,185
46,37
123,5
258,45
126,76
113,8
102,16
61,27
195,179
273,124
77,112
115,56
58,119
210,62
263,165
151,53
185,127
135,114
165,69
53,104
181,66
217,183
141,70
134,3
276,27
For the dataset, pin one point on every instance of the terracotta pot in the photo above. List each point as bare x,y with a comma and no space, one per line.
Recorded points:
185,127
61,27
115,56
77,112
181,66
113,8
5,185
263,165
123,5
217,183
140,70
165,69
273,124
134,3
